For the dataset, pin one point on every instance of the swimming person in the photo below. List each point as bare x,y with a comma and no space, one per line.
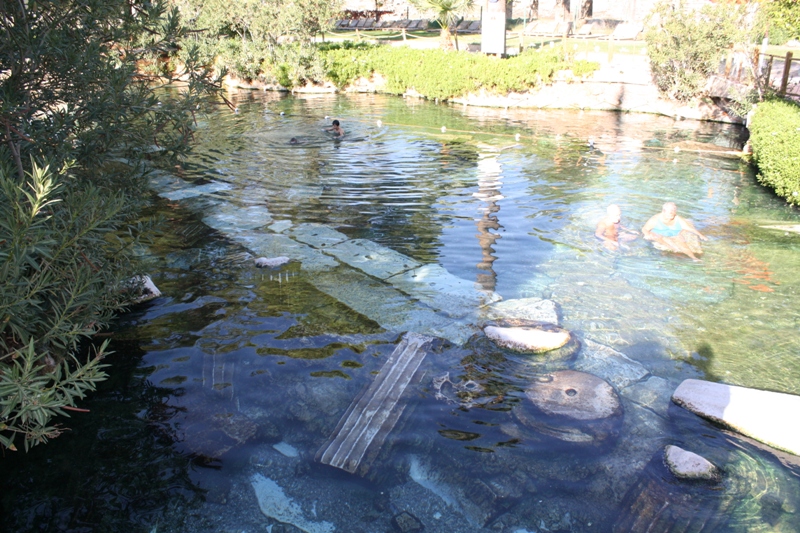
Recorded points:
611,231
336,129
671,232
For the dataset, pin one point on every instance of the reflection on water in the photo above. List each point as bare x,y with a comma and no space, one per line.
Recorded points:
244,372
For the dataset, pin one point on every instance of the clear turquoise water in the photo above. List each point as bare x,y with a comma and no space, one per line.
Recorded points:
234,359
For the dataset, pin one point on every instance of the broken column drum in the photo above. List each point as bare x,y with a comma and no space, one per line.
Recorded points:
571,406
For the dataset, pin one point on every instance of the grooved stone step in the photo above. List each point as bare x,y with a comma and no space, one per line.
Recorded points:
363,428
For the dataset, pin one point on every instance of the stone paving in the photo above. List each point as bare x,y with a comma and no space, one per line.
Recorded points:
396,291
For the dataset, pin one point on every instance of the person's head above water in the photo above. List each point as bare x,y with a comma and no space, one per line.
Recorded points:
293,140
669,210
336,128
614,213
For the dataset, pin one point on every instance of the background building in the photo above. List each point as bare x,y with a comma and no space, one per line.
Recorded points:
630,10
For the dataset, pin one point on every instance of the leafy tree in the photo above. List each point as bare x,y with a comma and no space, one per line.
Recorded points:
686,45
782,20
447,13
261,36
76,119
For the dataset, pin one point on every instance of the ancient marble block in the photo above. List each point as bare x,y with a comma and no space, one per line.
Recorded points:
768,417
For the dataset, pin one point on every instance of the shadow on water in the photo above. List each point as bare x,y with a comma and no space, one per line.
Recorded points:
114,470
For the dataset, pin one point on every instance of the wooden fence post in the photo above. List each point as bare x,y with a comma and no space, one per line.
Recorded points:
787,66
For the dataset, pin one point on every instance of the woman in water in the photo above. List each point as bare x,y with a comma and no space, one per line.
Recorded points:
668,231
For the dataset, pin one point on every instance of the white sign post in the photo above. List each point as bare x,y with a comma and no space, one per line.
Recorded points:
493,28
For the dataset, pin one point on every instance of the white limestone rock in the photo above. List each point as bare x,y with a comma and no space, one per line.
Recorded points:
528,339
768,417
275,504
789,228
263,262
286,449
149,289
688,465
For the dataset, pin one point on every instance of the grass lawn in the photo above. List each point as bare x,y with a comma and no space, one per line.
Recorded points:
781,51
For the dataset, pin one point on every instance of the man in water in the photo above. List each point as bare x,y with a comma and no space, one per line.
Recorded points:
336,129
668,231
611,231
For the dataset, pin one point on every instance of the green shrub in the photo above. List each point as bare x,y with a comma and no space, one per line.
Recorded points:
72,106
61,275
775,137
445,74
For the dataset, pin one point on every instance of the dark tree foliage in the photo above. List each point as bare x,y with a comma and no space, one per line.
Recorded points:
77,118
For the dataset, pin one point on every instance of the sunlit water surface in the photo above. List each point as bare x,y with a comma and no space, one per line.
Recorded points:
233,359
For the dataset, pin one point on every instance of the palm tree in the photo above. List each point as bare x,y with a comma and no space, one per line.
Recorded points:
447,13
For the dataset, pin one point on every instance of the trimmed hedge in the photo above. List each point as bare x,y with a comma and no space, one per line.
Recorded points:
443,74
775,138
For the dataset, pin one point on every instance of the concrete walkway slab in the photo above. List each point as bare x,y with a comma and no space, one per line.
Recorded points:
317,235
377,283
281,226
387,306
230,218
435,286
190,192
163,182
372,258
791,228
768,417
609,364
270,245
